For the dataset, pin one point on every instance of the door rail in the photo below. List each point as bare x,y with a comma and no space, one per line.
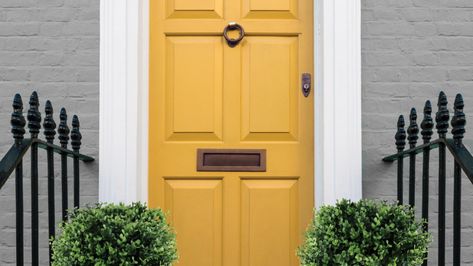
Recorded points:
463,162
13,162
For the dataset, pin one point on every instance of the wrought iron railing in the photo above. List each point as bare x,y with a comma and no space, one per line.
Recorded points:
463,160
13,161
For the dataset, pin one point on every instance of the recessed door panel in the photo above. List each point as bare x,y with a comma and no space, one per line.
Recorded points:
194,9
269,222
269,89
274,9
195,209
194,88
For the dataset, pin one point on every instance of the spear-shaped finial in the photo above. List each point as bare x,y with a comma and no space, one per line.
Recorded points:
34,116
442,115
76,136
413,129
400,134
49,124
17,119
458,120
427,123
63,129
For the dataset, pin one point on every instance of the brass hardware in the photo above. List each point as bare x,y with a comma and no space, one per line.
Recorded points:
306,84
233,26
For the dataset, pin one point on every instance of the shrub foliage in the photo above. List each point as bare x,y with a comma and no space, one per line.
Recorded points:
109,234
364,233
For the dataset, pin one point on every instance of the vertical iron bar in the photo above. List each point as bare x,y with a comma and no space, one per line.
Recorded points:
76,138
64,186
34,206
51,207
425,193
458,129
49,132
19,213
34,125
441,211
63,131
427,125
412,132
18,129
442,118
457,215
400,191
412,179
425,188
76,181
400,144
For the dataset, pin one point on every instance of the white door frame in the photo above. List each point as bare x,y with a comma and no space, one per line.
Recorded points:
124,37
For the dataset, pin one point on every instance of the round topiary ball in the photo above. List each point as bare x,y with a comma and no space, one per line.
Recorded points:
367,233
110,234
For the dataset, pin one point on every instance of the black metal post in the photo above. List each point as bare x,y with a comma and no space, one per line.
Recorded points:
400,144
63,131
458,129
34,206
427,126
442,118
19,213
34,124
49,131
412,132
18,129
76,138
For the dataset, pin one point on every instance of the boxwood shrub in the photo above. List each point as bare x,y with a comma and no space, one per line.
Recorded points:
109,234
364,233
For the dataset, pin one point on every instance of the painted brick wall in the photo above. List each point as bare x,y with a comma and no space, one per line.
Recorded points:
51,46
411,49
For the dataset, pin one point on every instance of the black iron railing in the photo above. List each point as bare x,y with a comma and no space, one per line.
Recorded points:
463,160
13,161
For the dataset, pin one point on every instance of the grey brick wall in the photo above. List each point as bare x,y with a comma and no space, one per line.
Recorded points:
51,46
412,49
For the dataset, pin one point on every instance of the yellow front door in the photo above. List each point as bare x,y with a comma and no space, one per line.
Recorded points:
231,132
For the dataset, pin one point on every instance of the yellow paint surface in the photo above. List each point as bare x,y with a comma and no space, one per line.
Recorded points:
204,94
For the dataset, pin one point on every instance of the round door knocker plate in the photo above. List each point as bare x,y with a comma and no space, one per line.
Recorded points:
233,26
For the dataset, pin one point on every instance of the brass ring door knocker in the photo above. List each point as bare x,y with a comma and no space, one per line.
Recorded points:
233,26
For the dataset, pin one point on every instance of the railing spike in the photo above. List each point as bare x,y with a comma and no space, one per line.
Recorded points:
76,136
17,119
427,123
458,119
400,134
442,116
63,129
413,129
49,124
34,116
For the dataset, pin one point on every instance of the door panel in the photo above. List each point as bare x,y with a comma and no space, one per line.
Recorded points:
194,82
194,9
206,95
269,206
269,88
195,209
274,9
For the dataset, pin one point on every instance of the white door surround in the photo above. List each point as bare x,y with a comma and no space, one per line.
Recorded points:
123,162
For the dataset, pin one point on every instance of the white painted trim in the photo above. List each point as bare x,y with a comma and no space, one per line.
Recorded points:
124,100
338,101
124,49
